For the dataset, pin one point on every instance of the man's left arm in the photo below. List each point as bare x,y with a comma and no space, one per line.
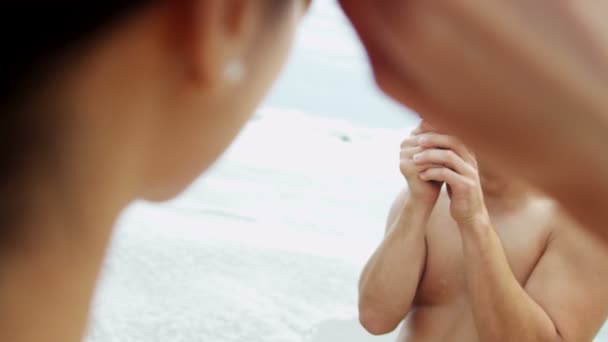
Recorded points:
503,310
563,299
569,282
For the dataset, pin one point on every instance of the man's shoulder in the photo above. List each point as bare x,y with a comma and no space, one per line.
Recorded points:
570,238
562,224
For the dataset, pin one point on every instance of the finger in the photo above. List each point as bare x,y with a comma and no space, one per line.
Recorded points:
409,142
423,127
444,141
448,158
409,152
424,167
414,169
443,174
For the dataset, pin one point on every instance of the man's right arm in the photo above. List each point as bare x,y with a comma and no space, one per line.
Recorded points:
390,279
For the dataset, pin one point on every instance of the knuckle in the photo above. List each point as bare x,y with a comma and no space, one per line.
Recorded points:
468,185
469,170
430,139
440,141
405,166
408,152
438,155
451,155
455,141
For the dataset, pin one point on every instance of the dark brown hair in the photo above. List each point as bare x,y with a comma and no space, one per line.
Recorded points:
35,36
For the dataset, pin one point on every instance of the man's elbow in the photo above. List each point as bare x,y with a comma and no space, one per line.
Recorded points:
376,322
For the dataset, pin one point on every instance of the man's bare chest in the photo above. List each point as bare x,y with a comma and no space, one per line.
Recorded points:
523,238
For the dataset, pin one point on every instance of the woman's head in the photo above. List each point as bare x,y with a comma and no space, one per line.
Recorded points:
136,96
104,102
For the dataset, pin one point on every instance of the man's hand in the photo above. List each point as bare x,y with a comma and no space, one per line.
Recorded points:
522,82
451,162
421,191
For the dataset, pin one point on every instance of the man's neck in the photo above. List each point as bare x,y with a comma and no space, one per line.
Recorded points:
504,195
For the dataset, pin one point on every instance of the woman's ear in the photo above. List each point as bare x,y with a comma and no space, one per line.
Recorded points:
215,36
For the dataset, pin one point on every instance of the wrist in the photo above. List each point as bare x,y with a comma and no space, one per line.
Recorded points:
420,204
476,224
423,200
417,212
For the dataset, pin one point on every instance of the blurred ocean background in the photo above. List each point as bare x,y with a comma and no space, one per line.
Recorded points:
268,245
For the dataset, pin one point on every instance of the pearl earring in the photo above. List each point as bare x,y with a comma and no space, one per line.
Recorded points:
234,71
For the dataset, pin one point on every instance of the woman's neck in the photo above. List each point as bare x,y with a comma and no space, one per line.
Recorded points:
49,267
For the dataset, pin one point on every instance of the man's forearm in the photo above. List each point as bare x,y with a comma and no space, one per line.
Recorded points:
390,279
502,309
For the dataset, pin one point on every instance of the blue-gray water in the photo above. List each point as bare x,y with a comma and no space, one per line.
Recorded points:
328,75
